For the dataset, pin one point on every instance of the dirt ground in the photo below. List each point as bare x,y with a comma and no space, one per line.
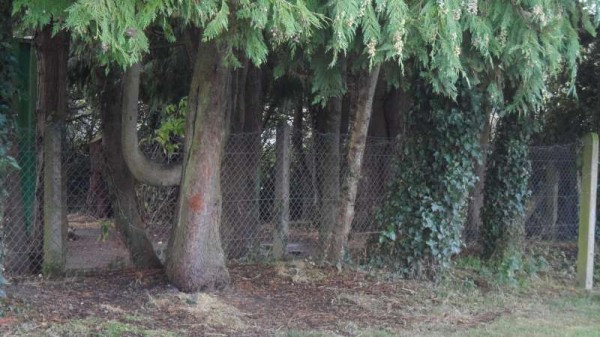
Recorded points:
263,300
298,299
89,250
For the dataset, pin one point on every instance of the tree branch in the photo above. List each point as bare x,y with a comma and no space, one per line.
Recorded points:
141,167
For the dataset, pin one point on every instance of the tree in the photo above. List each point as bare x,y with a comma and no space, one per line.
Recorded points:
506,192
195,260
502,50
52,49
7,95
121,182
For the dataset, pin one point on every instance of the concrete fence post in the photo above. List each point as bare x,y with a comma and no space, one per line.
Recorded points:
587,211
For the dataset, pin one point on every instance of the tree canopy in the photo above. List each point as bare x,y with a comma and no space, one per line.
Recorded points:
514,44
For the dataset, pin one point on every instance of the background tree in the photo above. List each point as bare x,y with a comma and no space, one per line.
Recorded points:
7,97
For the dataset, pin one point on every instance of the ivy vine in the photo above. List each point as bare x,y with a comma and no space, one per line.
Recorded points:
505,194
424,212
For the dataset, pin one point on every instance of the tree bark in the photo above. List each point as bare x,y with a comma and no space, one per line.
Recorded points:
281,211
356,148
476,195
143,169
16,260
97,199
241,167
328,138
53,53
121,182
233,171
195,257
253,128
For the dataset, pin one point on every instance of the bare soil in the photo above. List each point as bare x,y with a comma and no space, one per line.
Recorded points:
90,251
263,300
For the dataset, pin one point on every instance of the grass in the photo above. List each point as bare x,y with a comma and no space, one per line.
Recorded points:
94,327
578,316
570,314
473,302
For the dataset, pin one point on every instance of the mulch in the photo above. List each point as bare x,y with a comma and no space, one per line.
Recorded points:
271,301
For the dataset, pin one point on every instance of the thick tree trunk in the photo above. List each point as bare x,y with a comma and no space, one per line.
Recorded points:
328,138
53,53
476,196
143,169
195,257
121,182
356,148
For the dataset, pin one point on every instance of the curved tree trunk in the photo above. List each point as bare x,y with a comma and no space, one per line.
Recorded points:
121,182
143,169
195,257
356,148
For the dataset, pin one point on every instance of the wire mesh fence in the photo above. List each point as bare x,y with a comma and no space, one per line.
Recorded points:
253,184
551,211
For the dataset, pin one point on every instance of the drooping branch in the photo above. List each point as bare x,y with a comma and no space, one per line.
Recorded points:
142,168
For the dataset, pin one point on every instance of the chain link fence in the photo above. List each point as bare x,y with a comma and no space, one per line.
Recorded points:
254,177
552,211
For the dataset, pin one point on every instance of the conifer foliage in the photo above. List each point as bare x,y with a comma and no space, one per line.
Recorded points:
460,52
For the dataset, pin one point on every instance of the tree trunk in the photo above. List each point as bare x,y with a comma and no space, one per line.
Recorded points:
303,183
476,196
281,212
195,257
53,53
356,148
233,171
143,169
16,261
241,167
97,199
253,128
553,180
328,140
121,182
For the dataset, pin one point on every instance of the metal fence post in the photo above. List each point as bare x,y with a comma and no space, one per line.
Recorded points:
282,191
587,211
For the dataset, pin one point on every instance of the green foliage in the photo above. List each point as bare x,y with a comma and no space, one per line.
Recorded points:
241,26
38,13
423,214
104,230
171,129
566,117
505,194
501,43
